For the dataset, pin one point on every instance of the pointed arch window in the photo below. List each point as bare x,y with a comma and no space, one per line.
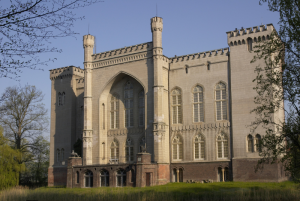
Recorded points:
141,108
257,143
114,150
222,145
221,102
198,104
176,106
128,101
250,143
199,147
129,150
177,148
114,112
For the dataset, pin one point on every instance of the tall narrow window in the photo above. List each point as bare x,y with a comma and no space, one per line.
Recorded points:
62,154
199,147
103,150
63,96
221,103
222,144
128,101
249,41
103,116
176,106
141,108
177,148
129,150
250,143
59,99
198,104
257,143
77,177
114,112
57,155
114,151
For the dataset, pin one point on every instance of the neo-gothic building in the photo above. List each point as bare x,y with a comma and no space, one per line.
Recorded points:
147,119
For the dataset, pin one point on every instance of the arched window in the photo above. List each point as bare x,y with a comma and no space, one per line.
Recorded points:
250,143
142,144
129,150
198,104
177,148
199,147
63,96
59,99
258,143
180,175
77,177
176,106
114,112
221,103
103,116
174,175
249,42
141,108
103,150
114,150
222,143
88,177
104,178
128,101
57,155
121,178
226,174
62,154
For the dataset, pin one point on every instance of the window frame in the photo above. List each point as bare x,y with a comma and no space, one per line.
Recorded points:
178,106
200,104
223,102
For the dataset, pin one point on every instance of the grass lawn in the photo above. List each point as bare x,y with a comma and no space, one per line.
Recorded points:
173,191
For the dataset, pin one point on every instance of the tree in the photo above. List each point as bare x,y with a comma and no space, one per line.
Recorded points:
24,119
27,28
36,173
278,81
9,166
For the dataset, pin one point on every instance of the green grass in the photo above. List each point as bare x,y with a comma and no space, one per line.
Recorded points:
173,191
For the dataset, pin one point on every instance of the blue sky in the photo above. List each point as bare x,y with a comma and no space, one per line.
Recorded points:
190,26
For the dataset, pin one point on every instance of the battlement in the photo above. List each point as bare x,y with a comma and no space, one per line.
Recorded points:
156,24
88,41
211,53
65,72
144,47
239,37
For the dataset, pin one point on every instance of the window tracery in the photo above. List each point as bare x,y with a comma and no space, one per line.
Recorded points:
221,102
198,104
176,106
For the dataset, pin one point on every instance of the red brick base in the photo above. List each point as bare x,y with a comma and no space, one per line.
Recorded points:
57,176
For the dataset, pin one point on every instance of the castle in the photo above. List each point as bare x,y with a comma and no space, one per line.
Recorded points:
146,119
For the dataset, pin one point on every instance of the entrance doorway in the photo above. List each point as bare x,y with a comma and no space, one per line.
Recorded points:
148,177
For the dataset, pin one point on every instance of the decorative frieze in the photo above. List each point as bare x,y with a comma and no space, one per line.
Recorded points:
124,132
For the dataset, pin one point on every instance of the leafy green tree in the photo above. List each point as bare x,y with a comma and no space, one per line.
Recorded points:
36,173
9,166
24,119
278,82
27,28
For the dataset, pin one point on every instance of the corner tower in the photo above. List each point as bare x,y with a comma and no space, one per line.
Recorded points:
160,96
88,45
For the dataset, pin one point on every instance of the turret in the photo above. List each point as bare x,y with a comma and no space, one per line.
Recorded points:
88,45
156,28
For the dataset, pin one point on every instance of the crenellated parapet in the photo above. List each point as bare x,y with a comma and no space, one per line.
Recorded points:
66,72
135,49
240,36
197,56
